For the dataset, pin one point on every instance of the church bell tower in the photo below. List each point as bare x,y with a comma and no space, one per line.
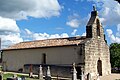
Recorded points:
94,27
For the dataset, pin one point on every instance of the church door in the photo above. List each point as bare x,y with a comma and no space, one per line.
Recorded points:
99,67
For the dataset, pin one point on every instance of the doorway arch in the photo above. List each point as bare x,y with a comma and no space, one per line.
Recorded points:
99,67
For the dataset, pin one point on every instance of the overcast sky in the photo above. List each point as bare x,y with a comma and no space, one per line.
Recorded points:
27,20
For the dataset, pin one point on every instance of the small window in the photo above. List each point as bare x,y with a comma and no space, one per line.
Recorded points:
43,58
98,28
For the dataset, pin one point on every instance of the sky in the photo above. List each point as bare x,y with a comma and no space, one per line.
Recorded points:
28,20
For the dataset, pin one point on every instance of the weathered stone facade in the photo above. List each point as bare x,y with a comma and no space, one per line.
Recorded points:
90,52
97,57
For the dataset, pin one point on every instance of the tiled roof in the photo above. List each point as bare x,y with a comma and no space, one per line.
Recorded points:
48,43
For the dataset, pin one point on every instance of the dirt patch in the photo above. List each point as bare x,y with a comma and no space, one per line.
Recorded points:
112,76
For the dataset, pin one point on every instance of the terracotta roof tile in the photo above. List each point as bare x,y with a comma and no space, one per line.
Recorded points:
48,43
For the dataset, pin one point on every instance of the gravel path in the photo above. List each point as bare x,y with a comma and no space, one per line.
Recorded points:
113,76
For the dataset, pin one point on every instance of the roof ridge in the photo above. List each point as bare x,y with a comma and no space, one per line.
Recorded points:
54,39
48,43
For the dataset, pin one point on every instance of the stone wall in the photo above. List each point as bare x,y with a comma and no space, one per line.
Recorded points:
56,70
16,59
96,49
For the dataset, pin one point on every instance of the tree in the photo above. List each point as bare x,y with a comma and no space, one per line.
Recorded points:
115,55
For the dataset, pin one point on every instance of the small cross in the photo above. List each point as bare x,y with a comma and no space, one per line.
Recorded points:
94,8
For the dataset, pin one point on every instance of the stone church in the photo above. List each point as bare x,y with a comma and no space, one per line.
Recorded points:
90,53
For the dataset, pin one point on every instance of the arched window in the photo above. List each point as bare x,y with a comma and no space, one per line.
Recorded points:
99,67
43,58
98,27
89,31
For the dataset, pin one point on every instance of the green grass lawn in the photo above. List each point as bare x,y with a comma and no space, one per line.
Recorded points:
5,76
31,79
9,75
